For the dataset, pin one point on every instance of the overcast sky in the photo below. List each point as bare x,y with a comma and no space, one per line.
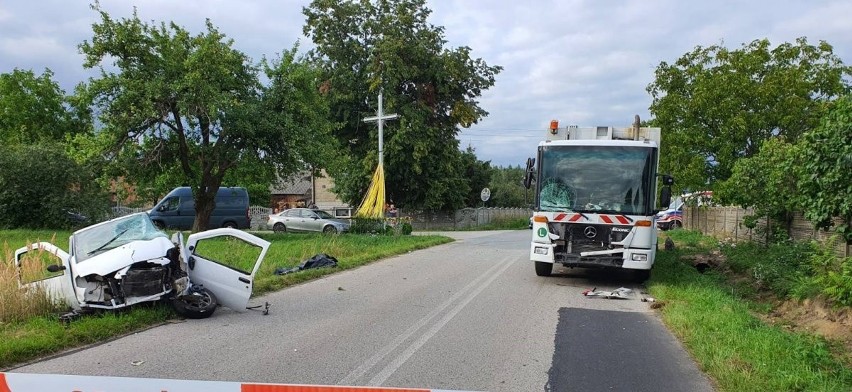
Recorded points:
580,62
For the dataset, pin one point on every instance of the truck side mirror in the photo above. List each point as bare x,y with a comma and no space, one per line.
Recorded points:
529,172
665,196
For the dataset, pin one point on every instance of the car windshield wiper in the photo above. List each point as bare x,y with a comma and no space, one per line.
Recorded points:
98,249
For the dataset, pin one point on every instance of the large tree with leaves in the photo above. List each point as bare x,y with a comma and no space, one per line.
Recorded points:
367,46
717,105
33,108
824,168
194,102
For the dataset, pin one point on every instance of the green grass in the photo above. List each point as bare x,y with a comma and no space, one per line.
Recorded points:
44,335
732,345
41,336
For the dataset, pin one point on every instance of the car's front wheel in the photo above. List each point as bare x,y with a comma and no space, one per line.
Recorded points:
329,229
199,304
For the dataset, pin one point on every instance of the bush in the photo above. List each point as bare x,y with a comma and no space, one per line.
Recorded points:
41,187
781,268
832,275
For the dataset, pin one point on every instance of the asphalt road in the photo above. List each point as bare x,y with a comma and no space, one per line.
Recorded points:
470,315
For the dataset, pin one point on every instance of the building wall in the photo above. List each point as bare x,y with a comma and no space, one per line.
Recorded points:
324,197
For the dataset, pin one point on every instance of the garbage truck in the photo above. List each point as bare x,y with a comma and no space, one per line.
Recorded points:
596,198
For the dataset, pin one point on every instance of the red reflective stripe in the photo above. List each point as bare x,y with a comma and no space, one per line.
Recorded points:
3,386
606,219
575,218
559,217
622,219
316,388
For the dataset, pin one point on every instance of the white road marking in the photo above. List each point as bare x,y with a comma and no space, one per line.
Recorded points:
392,367
351,378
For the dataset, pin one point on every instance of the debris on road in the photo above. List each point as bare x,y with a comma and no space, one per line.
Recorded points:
619,293
648,299
317,261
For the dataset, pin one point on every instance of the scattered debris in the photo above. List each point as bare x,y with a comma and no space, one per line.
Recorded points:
265,308
669,245
619,293
339,288
317,261
648,299
137,363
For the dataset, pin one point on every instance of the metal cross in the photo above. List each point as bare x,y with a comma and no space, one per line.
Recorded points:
380,118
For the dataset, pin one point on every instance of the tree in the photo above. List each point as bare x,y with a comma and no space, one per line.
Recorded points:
717,105
40,185
766,181
507,189
364,47
825,164
34,108
478,173
196,103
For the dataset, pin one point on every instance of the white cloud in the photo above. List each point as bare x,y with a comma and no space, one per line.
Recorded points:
582,62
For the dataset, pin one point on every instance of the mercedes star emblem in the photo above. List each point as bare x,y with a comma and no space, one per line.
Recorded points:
590,232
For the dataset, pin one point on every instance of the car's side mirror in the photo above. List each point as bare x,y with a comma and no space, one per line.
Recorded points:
55,268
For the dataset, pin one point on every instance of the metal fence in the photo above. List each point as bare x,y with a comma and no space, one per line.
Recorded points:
727,223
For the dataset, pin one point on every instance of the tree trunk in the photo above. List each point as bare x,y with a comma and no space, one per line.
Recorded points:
205,202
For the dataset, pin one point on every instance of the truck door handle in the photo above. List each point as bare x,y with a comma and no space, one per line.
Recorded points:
244,280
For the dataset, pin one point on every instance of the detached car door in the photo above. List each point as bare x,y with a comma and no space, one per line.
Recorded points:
225,262
57,283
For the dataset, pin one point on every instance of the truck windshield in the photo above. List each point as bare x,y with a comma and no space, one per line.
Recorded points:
604,179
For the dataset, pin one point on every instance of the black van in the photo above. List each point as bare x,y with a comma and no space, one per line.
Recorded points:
177,209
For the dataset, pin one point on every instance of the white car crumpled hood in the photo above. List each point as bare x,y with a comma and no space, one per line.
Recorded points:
153,250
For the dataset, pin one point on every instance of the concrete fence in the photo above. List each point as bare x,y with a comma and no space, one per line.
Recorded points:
464,218
727,223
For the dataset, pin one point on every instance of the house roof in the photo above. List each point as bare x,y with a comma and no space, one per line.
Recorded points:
297,184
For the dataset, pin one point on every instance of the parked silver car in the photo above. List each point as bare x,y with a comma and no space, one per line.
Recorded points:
306,220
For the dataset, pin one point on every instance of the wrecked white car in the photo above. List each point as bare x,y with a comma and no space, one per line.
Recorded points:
128,260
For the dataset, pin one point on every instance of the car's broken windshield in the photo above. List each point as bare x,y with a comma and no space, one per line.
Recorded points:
112,234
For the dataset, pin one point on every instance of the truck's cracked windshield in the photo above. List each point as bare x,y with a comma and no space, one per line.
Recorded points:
112,234
596,179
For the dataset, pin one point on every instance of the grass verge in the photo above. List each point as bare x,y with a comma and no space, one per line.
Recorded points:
732,345
34,337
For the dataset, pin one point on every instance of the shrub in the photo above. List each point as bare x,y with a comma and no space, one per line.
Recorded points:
832,275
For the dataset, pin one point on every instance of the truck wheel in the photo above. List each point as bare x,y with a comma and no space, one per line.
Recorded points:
230,225
543,269
198,305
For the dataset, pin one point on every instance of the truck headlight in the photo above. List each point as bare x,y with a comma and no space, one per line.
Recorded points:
639,257
539,250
